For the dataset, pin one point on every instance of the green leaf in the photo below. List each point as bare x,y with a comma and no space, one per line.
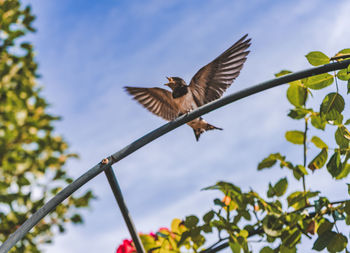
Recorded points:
297,114
300,112
347,122
292,239
342,137
224,187
344,51
337,243
323,240
332,104
207,228
284,249
22,180
272,226
297,94
283,72
76,218
318,142
191,221
343,75
208,216
348,87
334,165
295,137
324,227
319,81
267,249
281,187
319,161
183,238
218,202
271,191
148,241
299,171
317,58
347,220
235,247
347,207
345,172
318,122
348,189
269,161
296,200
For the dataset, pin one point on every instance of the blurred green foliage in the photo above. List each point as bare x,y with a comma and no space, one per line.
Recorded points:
32,155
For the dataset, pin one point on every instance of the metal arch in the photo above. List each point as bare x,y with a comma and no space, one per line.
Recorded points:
112,180
127,150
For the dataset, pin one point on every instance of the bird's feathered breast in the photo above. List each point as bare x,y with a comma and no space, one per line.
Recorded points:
179,91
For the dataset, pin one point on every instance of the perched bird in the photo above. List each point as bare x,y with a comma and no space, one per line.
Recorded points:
208,84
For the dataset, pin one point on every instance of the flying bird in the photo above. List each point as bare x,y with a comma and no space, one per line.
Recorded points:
208,84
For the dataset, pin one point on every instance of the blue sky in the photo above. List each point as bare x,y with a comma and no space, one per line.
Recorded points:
88,50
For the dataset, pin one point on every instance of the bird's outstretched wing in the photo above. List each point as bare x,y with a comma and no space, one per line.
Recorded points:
211,81
156,100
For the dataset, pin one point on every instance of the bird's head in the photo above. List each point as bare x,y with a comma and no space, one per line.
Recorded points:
175,82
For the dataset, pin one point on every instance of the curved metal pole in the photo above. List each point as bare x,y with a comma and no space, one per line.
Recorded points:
97,169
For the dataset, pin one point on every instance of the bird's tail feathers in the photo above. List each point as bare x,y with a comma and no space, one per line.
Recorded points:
211,127
199,131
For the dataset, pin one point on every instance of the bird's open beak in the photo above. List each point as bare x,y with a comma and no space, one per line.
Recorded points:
170,81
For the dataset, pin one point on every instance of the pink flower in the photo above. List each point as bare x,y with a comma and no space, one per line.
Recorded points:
153,235
164,229
126,247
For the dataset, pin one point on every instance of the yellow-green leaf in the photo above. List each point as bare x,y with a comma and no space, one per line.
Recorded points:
318,142
297,94
343,75
332,105
319,81
296,200
299,171
334,165
296,137
319,161
281,187
283,73
317,58
269,161
345,172
318,122
342,137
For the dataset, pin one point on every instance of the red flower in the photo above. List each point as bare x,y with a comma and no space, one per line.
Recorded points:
126,247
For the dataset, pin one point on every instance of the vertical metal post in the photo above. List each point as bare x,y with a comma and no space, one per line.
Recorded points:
112,180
